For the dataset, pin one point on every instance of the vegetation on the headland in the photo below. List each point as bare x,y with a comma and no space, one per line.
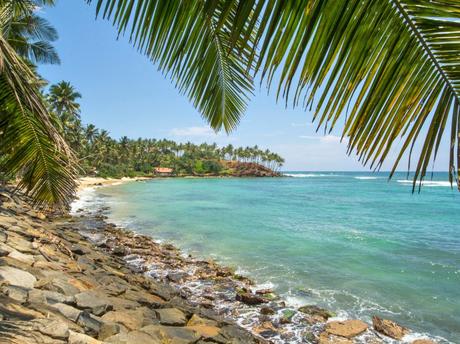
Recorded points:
101,155
388,70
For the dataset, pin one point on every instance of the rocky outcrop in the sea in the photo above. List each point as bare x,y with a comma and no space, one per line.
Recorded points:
248,169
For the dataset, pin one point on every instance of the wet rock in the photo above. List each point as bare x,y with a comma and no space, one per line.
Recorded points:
171,316
267,311
326,338
264,291
17,277
346,328
266,330
315,313
389,328
287,316
250,299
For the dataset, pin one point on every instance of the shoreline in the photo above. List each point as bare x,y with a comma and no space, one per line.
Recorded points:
269,317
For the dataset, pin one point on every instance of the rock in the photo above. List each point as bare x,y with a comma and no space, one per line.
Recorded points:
22,257
264,291
171,334
205,331
134,337
119,251
326,338
176,277
389,328
250,299
60,285
346,328
423,341
16,293
55,329
267,311
144,298
171,316
266,330
96,301
131,319
47,296
110,329
79,249
91,323
80,338
316,313
287,316
17,277
69,312
196,320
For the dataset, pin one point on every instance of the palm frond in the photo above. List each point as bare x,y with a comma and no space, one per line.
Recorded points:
33,147
192,42
394,63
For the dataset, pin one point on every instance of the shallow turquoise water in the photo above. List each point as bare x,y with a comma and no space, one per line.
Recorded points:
349,241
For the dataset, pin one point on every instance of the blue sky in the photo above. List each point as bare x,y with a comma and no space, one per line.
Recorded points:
125,94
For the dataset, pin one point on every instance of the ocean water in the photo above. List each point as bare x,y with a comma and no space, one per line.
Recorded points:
351,242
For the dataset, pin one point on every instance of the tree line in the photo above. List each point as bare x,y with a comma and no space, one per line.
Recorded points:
100,154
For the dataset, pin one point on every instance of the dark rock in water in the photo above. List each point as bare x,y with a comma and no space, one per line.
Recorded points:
119,251
250,299
315,314
267,311
266,330
287,316
264,291
389,328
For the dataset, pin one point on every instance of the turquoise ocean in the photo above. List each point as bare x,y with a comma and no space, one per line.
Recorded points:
351,242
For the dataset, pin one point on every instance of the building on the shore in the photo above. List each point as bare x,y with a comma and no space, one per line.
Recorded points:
163,171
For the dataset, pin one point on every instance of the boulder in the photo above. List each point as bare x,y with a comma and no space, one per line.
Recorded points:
97,302
346,328
287,316
133,337
16,293
250,299
423,341
69,312
389,328
22,257
315,313
196,320
55,329
171,316
131,319
266,330
17,277
267,311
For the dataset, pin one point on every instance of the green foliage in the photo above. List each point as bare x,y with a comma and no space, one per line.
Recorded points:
31,147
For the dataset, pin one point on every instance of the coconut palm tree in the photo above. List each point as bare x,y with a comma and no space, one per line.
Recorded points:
389,70
30,145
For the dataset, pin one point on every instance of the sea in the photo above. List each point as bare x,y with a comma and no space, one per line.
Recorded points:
356,243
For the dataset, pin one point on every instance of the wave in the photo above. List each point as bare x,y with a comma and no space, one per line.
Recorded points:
367,178
310,175
429,183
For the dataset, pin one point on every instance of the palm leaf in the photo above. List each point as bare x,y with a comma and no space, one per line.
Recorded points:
33,147
192,42
394,63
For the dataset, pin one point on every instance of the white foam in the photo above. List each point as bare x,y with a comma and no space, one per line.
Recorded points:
429,183
310,175
367,178
84,199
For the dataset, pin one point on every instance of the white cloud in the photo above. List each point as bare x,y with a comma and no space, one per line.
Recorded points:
325,139
194,131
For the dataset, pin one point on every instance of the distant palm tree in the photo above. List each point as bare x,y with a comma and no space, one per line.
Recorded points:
63,99
387,69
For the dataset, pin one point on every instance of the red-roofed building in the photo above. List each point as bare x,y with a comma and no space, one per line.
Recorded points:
163,171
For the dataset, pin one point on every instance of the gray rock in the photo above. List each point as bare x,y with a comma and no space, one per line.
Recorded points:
110,329
55,329
96,301
22,257
91,323
37,295
17,277
16,293
171,316
68,311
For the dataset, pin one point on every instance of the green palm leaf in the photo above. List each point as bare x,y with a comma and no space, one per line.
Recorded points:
390,67
192,42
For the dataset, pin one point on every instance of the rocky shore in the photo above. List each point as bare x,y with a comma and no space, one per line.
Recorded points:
80,280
